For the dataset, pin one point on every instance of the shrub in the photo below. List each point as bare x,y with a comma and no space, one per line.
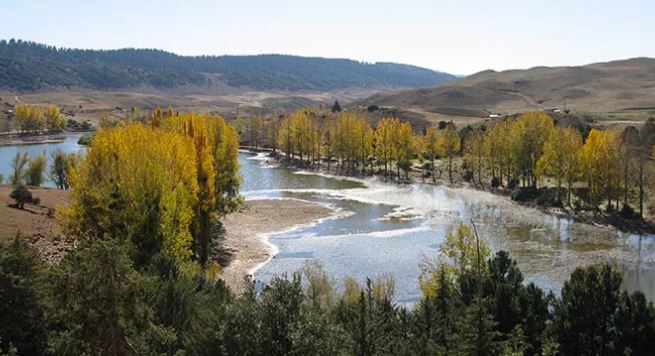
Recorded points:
627,212
23,196
495,182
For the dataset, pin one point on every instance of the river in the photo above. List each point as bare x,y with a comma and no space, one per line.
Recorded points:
383,229
64,142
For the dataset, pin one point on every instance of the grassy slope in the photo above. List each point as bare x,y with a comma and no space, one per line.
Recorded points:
619,86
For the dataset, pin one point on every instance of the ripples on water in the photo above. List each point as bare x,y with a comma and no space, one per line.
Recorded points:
390,229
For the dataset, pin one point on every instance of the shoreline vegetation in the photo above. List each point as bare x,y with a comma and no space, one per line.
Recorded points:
142,278
558,164
598,219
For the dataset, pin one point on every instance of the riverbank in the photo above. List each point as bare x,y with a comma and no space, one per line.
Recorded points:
39,138
597,218
244,245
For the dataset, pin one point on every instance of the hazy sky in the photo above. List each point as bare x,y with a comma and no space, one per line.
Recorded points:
457,36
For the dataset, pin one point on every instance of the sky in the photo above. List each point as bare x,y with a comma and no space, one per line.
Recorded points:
455,36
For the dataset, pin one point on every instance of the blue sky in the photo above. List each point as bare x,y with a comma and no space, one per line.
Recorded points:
460,36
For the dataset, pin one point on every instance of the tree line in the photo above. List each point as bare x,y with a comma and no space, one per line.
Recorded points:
99,300
348,140
608,165
584,167
27,65
33,118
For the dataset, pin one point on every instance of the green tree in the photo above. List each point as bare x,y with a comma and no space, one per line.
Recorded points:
585,317
336,107
96,301
23,196
60,169
23,323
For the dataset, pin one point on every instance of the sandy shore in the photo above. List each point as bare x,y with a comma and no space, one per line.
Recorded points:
245,246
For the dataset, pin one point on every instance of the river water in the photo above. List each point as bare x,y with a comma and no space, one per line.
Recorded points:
381,229
64,142
385,229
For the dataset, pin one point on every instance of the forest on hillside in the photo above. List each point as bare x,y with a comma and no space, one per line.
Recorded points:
28,66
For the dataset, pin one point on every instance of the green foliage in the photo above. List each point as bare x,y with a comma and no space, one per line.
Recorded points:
22,328
30,66
60,169
336,107
594,317
96,301
23,196
85,139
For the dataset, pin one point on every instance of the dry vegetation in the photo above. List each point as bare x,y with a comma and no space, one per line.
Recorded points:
613,91
35,223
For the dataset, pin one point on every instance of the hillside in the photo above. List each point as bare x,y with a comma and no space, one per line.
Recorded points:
28,66
626,85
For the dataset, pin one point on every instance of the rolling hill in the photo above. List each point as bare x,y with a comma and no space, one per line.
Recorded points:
625,85
28,66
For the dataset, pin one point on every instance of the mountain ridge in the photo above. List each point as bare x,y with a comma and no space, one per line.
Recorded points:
29,66
602,86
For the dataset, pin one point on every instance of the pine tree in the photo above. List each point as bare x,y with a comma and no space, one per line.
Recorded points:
336,107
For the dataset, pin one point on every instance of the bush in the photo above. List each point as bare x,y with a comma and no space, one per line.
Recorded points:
86,139
23,196
627,212
495,182
372,108
513,183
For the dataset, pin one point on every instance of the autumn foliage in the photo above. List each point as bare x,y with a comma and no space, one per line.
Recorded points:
157,185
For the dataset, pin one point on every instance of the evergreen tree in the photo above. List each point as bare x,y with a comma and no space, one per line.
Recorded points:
336,107
23,326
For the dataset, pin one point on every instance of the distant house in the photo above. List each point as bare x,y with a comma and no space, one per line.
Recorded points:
494,116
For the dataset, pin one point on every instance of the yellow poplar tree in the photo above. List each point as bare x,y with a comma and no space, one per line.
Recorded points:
450,145
560,159
431,147
599,158
136,183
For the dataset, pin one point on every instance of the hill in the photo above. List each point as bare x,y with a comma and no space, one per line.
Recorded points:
28,66
625,85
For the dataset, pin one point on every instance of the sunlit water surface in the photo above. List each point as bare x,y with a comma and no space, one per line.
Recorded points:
64,142
385,229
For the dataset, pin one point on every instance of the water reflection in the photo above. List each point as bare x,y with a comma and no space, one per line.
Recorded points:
389,229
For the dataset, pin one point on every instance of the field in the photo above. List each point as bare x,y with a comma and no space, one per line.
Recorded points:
89,105
35,223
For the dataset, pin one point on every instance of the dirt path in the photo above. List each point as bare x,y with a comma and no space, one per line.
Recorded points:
244,245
